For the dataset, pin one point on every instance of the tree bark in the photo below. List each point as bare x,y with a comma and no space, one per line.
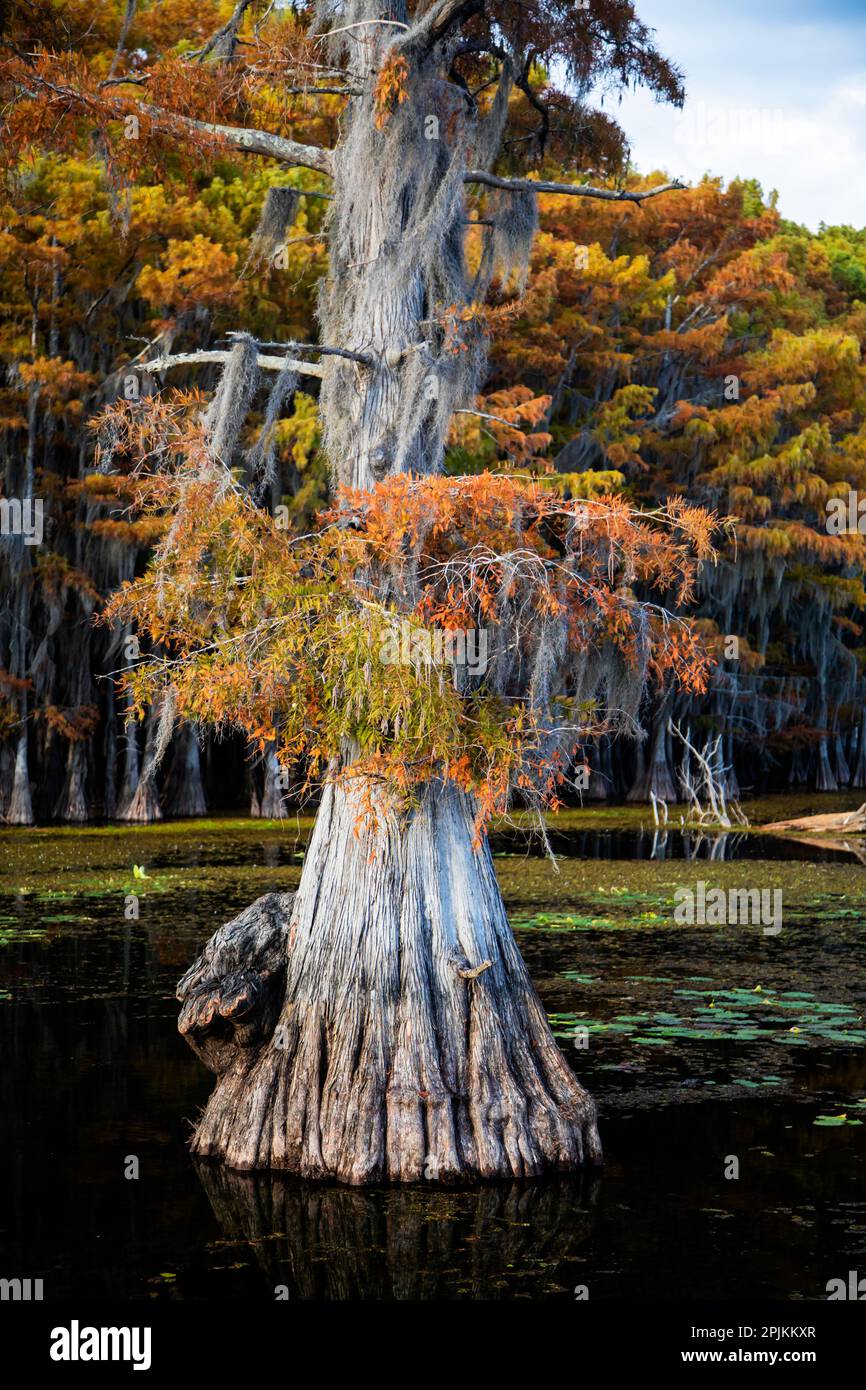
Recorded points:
186,796
381,1025
143,806
653,776
20,810
72,805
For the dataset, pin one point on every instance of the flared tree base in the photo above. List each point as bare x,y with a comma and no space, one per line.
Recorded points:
380,1024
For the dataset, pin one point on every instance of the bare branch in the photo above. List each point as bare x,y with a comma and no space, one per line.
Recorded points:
483,415
324,351
130,80
577,190
437,24
323,91
361,24
126,25
249,141
223,42
267,364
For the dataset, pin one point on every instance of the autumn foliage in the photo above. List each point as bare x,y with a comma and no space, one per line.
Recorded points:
301,637
610,371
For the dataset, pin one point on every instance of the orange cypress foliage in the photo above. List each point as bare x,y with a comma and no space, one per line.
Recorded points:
337,638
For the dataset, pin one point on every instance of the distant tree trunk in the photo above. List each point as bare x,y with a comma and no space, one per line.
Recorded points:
732,782
798,775
143,806
858,771
600,771
7,769
129,780
825,778
109,800
272,805
843,772
381,1025
72,805
653,776
186,796
20,810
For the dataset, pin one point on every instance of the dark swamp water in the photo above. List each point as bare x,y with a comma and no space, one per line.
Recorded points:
700,1043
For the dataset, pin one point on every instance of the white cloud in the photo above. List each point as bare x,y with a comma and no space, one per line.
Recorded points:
769,98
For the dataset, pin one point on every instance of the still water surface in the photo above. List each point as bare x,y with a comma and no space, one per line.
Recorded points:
701,1044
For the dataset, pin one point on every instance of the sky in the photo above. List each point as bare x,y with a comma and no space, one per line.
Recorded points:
775,90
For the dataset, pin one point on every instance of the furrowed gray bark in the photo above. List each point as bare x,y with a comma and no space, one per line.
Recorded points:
405,1041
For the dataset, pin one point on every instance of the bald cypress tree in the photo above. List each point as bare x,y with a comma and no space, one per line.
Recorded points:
380,1023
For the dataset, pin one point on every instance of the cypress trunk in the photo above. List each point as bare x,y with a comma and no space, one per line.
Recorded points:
381,1024
858,772
186,796
143,806
653,776
20,810
72,805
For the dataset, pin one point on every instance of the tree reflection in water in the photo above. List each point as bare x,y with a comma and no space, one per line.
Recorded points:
491,1241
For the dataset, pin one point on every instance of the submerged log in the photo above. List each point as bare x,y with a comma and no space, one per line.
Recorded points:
381,1024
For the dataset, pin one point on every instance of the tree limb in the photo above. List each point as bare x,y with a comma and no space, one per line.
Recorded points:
126,25
223,42
276,364
249,141
437,24
323,350
483,415
577,190
267,364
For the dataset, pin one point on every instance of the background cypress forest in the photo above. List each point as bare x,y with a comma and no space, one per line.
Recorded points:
699,345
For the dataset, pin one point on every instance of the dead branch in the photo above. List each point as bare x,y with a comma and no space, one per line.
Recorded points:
577,190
